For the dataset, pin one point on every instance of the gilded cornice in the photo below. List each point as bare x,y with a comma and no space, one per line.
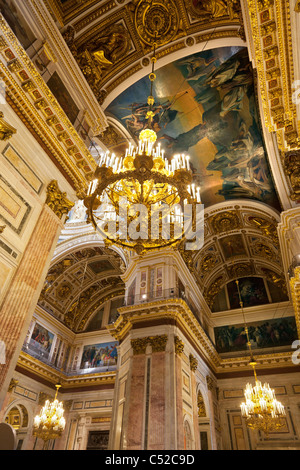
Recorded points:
180,26
68,382
30,97
272,38
179,312
295,293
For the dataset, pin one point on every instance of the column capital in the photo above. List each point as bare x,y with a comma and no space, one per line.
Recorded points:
57,200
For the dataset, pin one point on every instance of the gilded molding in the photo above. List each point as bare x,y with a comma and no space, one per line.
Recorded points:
28,93
272,37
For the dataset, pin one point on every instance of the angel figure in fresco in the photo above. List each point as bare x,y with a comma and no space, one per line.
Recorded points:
198,67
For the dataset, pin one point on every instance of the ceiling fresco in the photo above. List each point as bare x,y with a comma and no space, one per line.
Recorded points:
205,106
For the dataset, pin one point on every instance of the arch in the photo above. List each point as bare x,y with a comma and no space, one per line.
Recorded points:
189,440
213,43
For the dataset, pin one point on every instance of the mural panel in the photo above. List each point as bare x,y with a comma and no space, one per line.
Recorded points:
205,106
264,334
40,342
99,355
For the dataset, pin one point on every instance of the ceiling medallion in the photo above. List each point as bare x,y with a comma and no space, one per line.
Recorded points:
158,19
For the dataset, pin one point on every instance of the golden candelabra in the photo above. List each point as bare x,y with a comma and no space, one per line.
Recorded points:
261,410
50,423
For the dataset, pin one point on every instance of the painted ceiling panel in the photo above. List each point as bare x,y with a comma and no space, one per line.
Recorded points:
205,106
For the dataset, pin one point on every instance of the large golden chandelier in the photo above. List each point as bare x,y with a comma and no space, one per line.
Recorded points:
146,179
261,410
50,423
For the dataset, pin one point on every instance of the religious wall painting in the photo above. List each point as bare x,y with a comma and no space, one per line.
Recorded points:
40,342
63,97
273,333
252,291
101,266
99,355
232,245
17,22
206,107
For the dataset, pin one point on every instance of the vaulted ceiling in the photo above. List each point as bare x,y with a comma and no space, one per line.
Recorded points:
79,283
207,106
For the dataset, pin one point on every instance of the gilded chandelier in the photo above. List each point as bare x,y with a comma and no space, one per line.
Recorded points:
261,410
131,190
50,423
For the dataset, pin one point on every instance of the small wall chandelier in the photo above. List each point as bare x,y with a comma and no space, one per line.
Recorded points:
261,410
143,177
50,423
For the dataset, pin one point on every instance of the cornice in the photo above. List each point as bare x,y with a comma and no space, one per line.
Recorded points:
36,106
47,374
272,39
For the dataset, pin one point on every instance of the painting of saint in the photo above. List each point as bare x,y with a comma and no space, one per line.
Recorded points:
232,246
252,291
205,107
40,342
99,355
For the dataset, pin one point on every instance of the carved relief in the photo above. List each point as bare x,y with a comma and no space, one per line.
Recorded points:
292,168
157,19
97,57
225,221
201,406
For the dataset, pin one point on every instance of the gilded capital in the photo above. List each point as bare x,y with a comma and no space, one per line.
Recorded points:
12,385
57,200
179,346
6,130
158,343
210,383
193,363
2,228
139,345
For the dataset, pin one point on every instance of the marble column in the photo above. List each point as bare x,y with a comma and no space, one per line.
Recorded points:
18,306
